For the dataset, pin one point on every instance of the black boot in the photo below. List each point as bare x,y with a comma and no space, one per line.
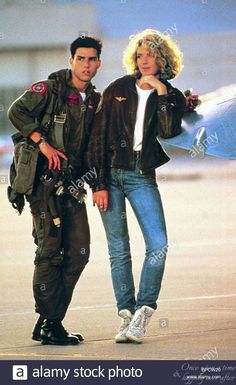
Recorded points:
38,326
53,333
37,329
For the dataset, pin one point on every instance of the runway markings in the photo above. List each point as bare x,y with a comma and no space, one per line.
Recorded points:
46,355
103,306
197,298
203,242
173,246
51,354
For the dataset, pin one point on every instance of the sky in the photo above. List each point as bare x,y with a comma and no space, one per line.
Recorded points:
189,16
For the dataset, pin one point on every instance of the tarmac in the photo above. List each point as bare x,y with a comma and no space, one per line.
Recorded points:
196,315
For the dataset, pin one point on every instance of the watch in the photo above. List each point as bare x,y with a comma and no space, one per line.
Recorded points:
42,139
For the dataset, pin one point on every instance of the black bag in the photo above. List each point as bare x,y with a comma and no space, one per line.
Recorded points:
25,163
22,171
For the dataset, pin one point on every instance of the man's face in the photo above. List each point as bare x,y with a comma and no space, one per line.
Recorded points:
146,61
84,64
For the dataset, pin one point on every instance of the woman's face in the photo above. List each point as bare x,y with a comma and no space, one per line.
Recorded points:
146,61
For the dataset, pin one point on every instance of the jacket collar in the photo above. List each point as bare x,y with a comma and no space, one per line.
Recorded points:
64,77
132,83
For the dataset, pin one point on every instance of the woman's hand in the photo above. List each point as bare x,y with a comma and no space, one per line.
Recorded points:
100,198
153,82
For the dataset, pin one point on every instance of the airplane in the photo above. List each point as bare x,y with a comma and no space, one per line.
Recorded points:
211,128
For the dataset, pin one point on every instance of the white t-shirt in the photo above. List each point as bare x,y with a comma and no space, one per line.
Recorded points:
83,95
138,130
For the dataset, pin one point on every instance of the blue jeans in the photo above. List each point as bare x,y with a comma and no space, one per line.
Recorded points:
144,197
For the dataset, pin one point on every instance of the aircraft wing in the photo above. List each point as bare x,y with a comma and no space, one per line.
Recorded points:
211,129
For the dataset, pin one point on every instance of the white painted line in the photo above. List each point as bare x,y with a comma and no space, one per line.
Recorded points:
103,306
197,298
172,246
202,242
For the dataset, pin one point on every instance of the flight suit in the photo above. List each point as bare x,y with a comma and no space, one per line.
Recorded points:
62,252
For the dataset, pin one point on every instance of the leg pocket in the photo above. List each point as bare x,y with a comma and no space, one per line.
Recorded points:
37,231
47,246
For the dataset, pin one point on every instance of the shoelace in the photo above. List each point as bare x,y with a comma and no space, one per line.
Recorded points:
141,321
125,322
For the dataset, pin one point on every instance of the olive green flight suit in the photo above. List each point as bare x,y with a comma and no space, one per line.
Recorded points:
62,253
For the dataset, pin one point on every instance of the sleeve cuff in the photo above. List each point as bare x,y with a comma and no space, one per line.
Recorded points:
99,187
166,102
28,129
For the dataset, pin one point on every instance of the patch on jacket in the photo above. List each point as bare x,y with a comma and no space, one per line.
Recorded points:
74,99
39,88
120,98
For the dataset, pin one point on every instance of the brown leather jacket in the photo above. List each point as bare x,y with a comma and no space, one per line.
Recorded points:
112,135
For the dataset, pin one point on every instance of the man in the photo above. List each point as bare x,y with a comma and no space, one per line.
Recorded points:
125,151
60,224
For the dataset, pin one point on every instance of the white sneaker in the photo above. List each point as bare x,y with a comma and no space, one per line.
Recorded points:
138,325
126,316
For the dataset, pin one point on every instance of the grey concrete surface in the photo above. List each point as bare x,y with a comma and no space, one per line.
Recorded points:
196,316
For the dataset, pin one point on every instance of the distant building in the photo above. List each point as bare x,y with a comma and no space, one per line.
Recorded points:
34,39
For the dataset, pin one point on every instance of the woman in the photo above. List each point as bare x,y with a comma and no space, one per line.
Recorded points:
125,151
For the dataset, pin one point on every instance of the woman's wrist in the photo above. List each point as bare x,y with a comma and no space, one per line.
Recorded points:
161,90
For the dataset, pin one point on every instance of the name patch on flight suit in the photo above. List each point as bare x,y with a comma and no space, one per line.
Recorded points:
39,88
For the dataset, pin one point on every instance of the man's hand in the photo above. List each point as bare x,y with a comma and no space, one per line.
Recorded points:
52,155
100,198
154,82
192,101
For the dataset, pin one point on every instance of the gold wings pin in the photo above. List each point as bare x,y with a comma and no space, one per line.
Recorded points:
120,98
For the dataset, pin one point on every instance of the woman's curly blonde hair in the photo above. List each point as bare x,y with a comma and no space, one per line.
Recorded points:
168,56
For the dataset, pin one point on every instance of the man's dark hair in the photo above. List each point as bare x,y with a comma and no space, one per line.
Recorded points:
86,42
